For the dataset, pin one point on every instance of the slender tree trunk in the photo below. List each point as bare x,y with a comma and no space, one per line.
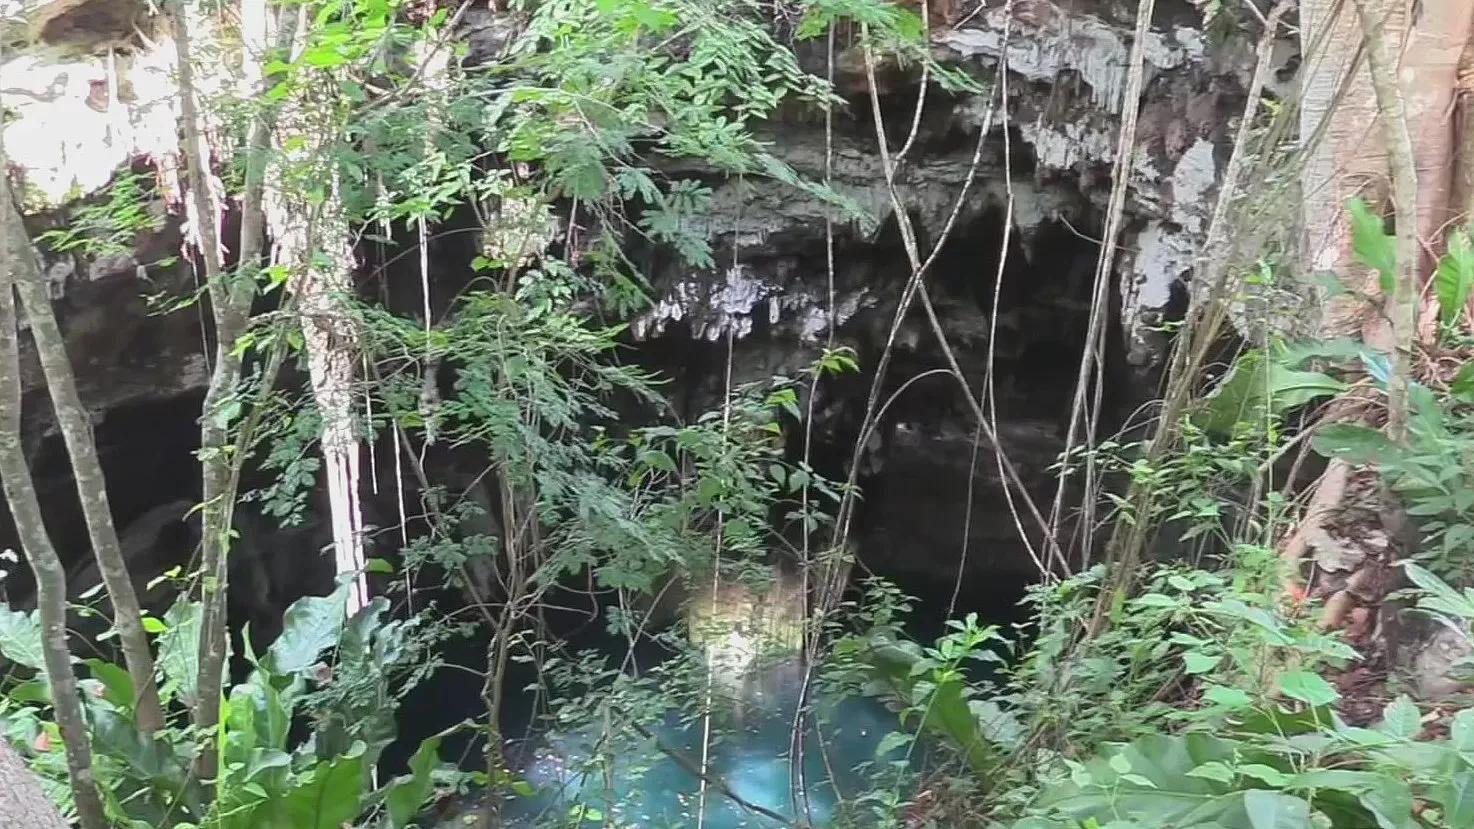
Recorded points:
230,316
22,801
76,429
20,494
1402,307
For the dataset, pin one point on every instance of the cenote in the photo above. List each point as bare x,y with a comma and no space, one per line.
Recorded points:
635,759
657,784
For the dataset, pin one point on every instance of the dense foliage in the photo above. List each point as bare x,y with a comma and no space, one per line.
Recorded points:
1189,692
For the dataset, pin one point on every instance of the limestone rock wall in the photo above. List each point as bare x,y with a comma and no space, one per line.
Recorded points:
99,68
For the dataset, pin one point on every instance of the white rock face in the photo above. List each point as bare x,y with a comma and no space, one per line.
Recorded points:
77,117
1058,41
65,146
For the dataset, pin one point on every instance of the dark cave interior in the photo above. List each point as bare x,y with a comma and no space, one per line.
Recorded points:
930,489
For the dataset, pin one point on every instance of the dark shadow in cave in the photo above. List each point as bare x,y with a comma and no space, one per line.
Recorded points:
933,494
147,451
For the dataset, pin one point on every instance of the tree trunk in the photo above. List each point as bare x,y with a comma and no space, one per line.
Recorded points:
20,493
22,802
230,307
76,429
1354,530
313,240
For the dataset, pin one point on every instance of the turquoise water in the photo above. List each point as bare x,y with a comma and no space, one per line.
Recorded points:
633,783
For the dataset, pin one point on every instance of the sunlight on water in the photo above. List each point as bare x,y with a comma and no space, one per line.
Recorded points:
650,789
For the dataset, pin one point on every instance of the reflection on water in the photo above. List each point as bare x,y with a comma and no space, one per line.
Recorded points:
638,785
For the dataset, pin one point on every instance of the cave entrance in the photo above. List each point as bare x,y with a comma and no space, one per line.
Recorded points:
147,451
938,520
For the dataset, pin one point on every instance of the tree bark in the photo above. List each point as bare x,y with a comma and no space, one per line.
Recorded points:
303,227
230,316
22,801
1402,307
20,494
76,430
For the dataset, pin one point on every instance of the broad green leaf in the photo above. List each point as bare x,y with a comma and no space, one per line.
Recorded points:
1276,810
1200,663
116,683
1213,770
20,638
311,624
1462,387
1461,733
1456,796
1172,797
1340,349
1268,775
999,725
1371,243
118,739
1438,595
1390,801
330,796
378,565
1227,697
258,718
890,742
1455,277
1307,687
1256,383
407,794
946,714
179,655
1401,718
1353,443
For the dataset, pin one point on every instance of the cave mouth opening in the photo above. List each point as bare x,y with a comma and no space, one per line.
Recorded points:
938,521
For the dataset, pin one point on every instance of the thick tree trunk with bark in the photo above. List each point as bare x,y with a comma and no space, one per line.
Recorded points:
23,804
1383,128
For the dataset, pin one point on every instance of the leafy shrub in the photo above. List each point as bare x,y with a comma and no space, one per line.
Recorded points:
340,676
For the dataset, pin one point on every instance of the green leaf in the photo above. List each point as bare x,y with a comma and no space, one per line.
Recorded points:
408,793
118,739
311,624
890,742
1353,443
329,796
947,713
1227,697
1401,718
1307,687
1456,797
1373,246
1462,387
152,625
1255,384
1276,810
1437,594
378,565
1268,775
20,638
1213,770
1200,663
1455,277
117,685
179,655
1461,733
1174,797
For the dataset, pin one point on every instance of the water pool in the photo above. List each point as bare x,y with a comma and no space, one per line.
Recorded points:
639,784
